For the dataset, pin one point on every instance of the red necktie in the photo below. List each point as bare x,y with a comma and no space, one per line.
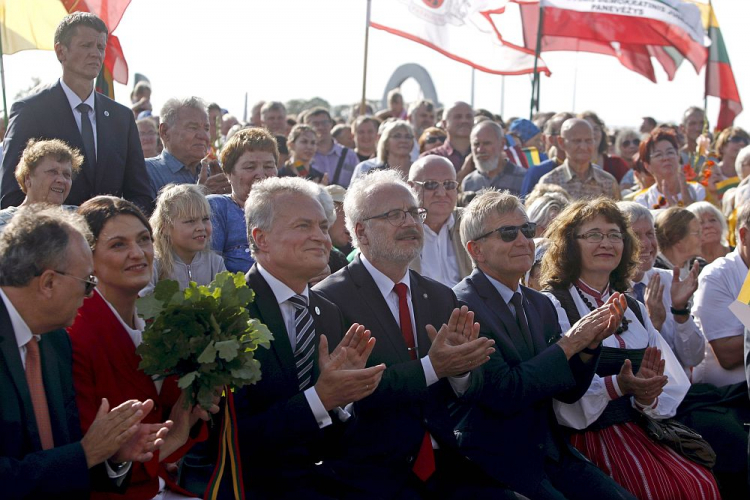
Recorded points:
38,396
424,466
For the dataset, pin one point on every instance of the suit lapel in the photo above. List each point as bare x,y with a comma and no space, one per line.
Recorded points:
53,390
373,299
420,303
499,309
266,309
535,324
12,359
73,135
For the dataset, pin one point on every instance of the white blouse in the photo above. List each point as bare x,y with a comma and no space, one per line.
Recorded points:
602,390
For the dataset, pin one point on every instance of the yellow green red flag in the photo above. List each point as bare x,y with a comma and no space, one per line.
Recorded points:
29,24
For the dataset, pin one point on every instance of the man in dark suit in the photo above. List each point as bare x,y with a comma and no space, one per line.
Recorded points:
71,110
390,451
45,272
511,431
291,416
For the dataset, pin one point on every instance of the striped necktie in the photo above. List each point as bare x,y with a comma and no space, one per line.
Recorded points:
305,335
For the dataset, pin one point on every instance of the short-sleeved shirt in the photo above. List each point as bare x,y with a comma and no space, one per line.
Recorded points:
718,286
327,163
229,238
448,151
166,169
649,197
510,178
596,182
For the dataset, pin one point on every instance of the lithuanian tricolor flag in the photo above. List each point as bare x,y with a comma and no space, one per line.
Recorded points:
719,75
29,24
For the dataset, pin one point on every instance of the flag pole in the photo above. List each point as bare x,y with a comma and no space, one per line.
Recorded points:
2,78
708,66
537,80
363,104
472,87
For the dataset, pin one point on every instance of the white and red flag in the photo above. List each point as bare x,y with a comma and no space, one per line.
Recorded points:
634,31
459,29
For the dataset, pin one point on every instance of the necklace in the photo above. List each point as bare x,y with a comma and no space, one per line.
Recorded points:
620,329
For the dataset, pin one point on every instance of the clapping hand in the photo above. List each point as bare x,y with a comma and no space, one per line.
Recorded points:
343,377
654,302
457,348
682,290
112,429
650,380
593,328
213,178
141,447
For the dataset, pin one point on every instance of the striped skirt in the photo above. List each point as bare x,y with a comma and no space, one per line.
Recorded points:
645,468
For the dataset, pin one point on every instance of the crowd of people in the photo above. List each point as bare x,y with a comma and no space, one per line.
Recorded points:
462,306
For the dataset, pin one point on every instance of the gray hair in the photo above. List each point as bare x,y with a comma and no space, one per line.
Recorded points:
35,240
272,106
387,130
482,207
260,204
700,208
635,212
418,104
363,190
743,219
542,210
174,105
325,200
496,127
742,157
622,136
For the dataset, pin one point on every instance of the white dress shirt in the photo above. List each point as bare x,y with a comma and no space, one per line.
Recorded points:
439,260
589,408
718,286
283,293
74,101
685,339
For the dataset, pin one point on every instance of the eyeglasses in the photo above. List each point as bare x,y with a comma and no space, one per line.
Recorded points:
398,137
627,142
433,185
597,237
397,217
90,283
432,139
510,233
669,153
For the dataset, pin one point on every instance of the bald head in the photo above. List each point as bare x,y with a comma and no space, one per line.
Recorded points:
431,167
574,124
459,119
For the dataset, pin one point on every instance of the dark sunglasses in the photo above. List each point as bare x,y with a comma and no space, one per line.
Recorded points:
628,142
432,139
510,233
89,284
433,185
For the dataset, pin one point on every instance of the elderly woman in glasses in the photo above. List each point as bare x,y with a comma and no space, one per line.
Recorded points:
394,149
443,257
592,254
661,158
679,234
107,331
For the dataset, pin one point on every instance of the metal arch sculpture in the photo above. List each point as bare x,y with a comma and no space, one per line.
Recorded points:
403,73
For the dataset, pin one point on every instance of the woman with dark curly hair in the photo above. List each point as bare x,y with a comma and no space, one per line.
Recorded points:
593,253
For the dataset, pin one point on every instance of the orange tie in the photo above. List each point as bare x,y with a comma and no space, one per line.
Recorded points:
424,466
38,397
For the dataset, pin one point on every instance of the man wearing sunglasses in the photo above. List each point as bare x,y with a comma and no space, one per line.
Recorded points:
511,432
443,257
493,169
45,273
403,445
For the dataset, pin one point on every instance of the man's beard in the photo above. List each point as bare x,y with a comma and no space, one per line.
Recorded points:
486,166
380,248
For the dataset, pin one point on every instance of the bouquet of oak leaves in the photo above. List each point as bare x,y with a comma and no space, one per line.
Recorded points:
203,335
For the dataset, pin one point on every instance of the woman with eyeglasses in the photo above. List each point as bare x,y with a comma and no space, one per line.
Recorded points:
679,235
104,338
431,138
593,253
661,158
394,150
728,144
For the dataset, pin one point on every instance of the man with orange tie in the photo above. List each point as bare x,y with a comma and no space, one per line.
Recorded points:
402,444
45,272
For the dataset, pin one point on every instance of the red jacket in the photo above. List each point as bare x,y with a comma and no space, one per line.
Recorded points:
105,364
